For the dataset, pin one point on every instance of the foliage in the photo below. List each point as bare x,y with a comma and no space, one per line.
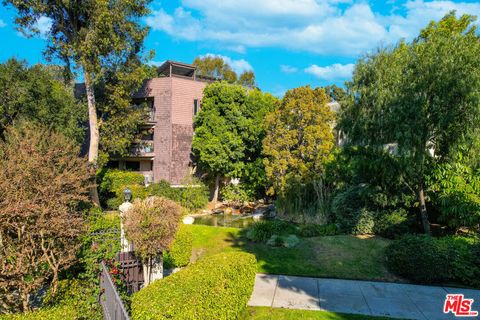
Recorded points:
290,241
42,182
261,231
410,95
362,209
39,95
297,145
453,259
193,195
215,288
152,224
315,230
75,294
227,135
336,93
180,251
298,139
235,193
55,313
216,67
457,193
113,182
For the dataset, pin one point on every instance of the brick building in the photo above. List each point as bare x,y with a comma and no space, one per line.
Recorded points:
173,98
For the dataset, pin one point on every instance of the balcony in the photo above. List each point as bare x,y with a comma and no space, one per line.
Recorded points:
142,149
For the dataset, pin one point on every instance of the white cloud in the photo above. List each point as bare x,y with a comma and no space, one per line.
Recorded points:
339,27
2,24
332,72
44,24
288,69
239,66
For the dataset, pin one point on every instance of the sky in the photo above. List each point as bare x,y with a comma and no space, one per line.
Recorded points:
287,43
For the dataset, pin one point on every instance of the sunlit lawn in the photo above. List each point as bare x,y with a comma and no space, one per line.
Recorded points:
341,256
264,313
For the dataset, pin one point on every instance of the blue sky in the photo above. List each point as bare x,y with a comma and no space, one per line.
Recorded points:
287,43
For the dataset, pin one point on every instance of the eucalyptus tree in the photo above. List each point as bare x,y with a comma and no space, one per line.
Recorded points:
424,96
90,35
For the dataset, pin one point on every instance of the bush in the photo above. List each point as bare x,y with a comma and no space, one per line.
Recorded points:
235,193
261,231
315,230
217,287
275,241
181,249
393,225
193,196
425,259
290,241
113,183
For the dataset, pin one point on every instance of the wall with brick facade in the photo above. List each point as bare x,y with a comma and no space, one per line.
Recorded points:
173,102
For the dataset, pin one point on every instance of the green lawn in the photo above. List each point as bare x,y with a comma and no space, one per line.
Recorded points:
342,256
265,313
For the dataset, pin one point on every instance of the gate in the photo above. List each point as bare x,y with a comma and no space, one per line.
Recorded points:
131,270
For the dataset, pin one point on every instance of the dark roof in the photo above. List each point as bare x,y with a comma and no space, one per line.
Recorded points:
178,68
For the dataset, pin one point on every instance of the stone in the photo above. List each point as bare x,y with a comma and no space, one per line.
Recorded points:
188,220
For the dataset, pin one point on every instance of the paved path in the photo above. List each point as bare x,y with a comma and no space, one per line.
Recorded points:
362,297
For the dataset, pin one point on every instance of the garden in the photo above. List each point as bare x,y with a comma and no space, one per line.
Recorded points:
386,189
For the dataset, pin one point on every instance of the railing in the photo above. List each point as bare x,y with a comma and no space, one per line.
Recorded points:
112,305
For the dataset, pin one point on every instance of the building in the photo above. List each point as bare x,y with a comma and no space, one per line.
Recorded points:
164,153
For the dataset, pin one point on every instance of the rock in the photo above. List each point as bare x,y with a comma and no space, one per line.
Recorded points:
188,220
257,216
228,210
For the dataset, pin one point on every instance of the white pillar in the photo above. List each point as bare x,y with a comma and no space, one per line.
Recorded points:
125,246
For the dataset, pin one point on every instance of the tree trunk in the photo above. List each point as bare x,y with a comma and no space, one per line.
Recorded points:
94,134
217,187
423,210
25,302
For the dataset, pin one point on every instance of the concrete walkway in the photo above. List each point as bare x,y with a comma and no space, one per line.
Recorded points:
361,297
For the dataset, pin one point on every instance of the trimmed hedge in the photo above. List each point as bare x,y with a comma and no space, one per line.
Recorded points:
425,259
181,249
64,312
262,231
217,287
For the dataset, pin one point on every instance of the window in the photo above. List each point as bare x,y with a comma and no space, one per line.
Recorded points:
195,106
132,165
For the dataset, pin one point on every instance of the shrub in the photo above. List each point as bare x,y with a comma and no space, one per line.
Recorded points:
181,249
193,196
152,225
315,230
275,241
261,231
217,287
425,259
291,241
393,225
235,193
113,183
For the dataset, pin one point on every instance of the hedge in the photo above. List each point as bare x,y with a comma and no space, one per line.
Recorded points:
216,287
181,249
425,259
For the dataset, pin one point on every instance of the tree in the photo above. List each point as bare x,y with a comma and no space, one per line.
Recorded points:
91,35
42,182
336,93
38,94
422,96
228,130
151,225
216,67
299,139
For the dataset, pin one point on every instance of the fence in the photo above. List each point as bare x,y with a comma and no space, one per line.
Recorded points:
132,271
112,305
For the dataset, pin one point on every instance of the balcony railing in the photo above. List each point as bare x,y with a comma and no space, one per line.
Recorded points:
144,148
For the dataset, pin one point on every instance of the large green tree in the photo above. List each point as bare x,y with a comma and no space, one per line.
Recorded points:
216,67
228,130
38,94
422,96
299,138
91,35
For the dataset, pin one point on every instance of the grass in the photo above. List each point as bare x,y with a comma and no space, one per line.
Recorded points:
264,313
341,256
